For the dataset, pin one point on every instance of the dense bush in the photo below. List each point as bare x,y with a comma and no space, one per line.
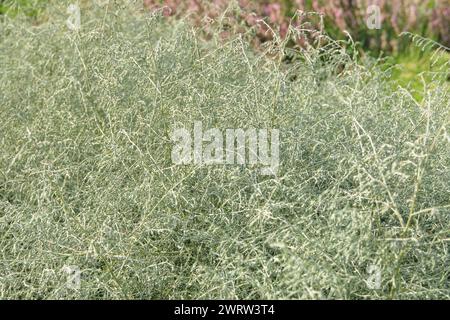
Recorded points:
86,176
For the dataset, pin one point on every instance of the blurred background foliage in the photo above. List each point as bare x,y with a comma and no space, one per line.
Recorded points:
427,18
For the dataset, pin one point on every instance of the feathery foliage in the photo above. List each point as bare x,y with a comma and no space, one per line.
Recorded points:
86,177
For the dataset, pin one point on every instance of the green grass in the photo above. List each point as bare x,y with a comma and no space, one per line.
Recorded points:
86,177
415,69
28,8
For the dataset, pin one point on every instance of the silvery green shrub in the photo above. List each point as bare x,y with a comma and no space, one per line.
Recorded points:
91,205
